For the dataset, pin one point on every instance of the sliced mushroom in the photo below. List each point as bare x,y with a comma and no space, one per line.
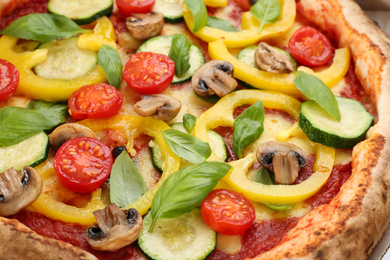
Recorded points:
284,159
115,228
18,189
214,77
158,106
269,59
144,26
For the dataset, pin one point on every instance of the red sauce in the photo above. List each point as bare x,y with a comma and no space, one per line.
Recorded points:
353,88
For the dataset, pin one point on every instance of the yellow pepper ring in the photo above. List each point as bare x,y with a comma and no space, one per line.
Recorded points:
215,3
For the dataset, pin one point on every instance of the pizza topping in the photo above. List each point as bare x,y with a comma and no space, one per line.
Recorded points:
9,79
214,77
269,59
115,228
158,106
128,7
144,26
18,189
284,159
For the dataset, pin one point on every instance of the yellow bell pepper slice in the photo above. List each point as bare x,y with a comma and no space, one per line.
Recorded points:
280,82
132,127
248,35
103,33
215,3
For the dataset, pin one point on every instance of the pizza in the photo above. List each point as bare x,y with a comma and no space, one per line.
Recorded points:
192,130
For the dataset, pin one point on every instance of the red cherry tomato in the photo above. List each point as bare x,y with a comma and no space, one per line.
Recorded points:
95,101
244,4
148,72
227,212
9,79
310,47
127,7
83,164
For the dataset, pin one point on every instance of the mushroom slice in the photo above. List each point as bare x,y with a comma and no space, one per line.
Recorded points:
214,77
269,59
18,189
284,159
144,26
159,106
115,228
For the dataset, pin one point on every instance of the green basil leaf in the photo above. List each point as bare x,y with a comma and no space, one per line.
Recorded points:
187,146
248,127
180,54
189,122
185,189
279,207
199,13
126,183
111,63
43,27
315,89
56,113
221,24
266,11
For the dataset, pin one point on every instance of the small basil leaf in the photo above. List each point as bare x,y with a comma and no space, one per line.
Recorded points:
185,189
126,183
54,112
221,24
189,122
315,89
187,146
248,127
266,11
279,207
43,27
199,13
111,63
180,54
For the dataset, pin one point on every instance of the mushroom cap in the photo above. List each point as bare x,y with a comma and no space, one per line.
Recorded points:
115,228
284,159
144,26
214,77
18,189
159,106
270,59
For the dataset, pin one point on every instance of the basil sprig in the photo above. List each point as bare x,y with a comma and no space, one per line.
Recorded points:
189,122
185,189
18,124
221,24
180,54
248,127
199,13
111,63
126,182
187,146
266,11
315,89
43,27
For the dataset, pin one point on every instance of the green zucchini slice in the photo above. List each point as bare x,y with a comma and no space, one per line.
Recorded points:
171,10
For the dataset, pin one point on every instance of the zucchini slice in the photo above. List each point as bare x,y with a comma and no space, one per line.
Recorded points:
82,12
30,152
185,237
162,45
171,10
320,127
217,144
65,60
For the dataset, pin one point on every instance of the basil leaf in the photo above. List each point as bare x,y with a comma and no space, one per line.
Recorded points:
187,146
279,207
111,63
315,89
126,183
189,122
221,24
266,11
185,189
247,127
180,54
54,112
43,27
199,13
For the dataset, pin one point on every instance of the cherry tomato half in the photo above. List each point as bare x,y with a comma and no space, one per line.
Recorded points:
95,101
127,7
148,72
227,212
310,47
83,164
9,79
